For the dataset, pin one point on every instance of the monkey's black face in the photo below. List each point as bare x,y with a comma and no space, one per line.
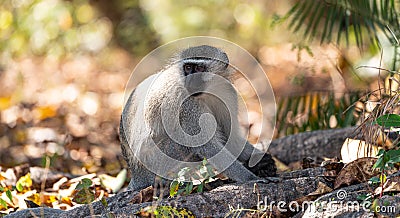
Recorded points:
200,65
191,68
194,70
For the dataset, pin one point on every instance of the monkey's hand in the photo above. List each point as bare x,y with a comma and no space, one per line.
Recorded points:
264,168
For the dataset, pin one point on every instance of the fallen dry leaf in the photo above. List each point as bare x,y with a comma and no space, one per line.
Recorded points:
391,185
356,171
114,183
353,149
321,189
145,195
332,168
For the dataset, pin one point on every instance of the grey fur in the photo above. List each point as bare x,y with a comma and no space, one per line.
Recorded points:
161,114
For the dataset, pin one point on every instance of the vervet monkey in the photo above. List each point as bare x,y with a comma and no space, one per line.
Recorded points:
183,114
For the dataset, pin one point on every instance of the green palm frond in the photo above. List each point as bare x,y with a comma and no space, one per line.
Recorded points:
315,111
329,20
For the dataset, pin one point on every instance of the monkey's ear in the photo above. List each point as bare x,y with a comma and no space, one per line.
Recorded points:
224,64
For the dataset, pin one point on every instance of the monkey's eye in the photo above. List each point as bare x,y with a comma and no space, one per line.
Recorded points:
187,68
200,68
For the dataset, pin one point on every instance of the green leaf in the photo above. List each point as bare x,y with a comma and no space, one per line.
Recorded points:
3,203
374,180
104,202
203,171
19,187
180,191
84,196
388,120
84,184
364,197
196,176
173,188
189,188
24,182
200,188
87,182
204,162
380,163
210,171
9,195
375,205
381,152
394,156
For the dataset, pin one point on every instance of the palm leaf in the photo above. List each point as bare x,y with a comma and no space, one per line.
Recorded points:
362,18
313,111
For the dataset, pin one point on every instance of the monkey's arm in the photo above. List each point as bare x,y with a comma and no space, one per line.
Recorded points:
235,170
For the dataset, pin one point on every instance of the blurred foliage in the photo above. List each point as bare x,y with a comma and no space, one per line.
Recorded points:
354,20
244,22
316,111
40,187
85,37
366,23
58,28
51,27
333,19
132,28
64,64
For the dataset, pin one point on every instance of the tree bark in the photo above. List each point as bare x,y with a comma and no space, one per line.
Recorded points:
316,144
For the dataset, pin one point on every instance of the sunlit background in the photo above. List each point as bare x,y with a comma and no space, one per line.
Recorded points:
64,65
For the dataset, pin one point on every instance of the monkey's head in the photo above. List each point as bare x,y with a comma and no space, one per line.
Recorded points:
203,58
201,65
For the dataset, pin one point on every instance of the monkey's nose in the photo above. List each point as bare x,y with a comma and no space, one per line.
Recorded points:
195,83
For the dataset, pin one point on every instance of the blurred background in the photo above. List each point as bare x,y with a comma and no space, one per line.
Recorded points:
64,65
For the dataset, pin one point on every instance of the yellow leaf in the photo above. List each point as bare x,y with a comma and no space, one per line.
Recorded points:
20,135
43,198
6,19
44,112
2,176
49,199
35,198
5,102
24,183
65,20
66,200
